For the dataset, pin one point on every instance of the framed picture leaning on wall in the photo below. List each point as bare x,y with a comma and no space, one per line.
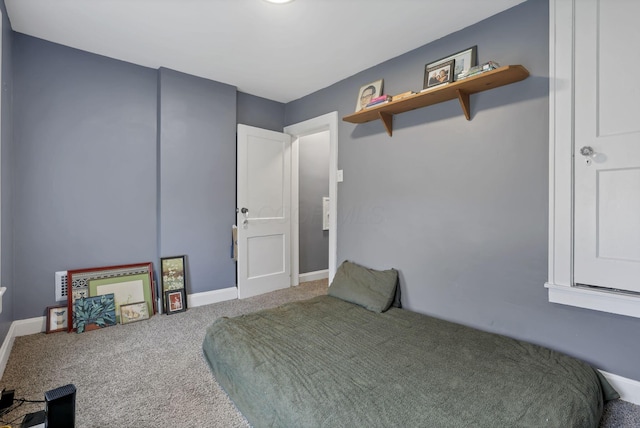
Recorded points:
57,318
82,281
176,301
172,275
133,312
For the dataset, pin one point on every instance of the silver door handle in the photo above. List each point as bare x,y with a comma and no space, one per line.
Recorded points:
244,210
587,151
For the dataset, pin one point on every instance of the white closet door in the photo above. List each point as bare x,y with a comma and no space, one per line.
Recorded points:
607,123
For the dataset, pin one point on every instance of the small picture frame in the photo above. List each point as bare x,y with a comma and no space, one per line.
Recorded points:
133,312
57,318
176,301
463,61
439,74
172,273
368,92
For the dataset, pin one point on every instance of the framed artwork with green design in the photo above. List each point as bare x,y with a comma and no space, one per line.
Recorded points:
83,281
92,313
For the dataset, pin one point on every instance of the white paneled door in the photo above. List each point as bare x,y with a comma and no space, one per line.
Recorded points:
607,144
264,211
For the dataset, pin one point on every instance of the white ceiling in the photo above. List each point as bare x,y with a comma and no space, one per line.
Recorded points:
279,52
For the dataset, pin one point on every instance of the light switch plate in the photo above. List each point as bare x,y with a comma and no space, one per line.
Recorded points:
339,176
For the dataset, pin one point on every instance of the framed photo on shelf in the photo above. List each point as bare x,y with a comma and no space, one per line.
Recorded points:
367,92
80,279
463,61
439,74
176,301
133,312
57,318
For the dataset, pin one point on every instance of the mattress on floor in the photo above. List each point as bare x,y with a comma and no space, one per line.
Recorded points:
325,362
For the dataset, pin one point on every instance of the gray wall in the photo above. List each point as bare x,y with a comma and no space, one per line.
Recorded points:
114,163
260,112
84,166
460,207
313,185
197,176
6,280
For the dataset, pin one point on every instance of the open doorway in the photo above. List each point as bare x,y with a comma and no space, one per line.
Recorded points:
313,204
315,134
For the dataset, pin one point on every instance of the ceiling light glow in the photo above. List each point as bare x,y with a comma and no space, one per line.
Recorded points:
279,1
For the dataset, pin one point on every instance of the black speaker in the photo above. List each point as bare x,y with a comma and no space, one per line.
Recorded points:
60,407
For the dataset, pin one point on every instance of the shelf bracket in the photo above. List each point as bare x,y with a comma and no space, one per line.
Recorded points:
387,121
463,97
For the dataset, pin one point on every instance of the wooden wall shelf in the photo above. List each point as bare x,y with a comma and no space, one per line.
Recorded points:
461,90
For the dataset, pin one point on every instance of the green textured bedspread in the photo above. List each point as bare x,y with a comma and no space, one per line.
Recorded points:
328,363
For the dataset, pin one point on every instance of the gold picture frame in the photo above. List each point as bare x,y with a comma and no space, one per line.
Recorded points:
133,312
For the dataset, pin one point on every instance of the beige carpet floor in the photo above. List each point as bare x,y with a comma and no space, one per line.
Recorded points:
153,373
147,374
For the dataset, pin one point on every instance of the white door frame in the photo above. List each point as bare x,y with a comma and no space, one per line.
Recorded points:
560,282
325,122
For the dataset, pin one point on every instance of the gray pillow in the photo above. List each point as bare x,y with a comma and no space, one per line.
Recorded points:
370,288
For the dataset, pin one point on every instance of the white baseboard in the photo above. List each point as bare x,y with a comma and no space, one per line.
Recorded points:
628,389
5,350
314,276
209,297
30,326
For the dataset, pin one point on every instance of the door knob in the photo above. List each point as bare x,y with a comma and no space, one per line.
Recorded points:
587,151
244,210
